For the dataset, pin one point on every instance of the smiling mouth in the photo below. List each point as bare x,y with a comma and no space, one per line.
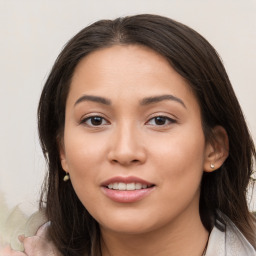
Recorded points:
129,189
128,186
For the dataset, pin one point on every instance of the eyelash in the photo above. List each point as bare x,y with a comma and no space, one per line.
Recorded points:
168,119
85,120
102,119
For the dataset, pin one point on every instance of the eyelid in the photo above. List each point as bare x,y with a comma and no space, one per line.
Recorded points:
87,117
170,119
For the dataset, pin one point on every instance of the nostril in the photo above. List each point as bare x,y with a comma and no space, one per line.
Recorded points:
124,162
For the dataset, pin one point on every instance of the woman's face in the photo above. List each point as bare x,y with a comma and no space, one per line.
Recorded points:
133,140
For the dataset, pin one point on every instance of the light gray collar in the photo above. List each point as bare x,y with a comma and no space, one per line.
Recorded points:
230,242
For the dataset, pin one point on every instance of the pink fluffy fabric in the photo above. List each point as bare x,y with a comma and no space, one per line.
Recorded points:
37,245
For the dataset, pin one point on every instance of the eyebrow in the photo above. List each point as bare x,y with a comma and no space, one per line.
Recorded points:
97,99
143,102
155,99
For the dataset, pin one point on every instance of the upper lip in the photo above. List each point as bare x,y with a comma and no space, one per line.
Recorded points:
128,179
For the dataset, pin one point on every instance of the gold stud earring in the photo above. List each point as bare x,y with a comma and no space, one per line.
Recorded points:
212,166
66,177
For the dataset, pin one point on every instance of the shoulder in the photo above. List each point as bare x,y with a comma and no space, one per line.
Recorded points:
229,241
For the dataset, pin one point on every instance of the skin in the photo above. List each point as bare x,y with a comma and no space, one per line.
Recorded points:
129,141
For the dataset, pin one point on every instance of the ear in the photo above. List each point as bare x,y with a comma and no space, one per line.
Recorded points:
217,149
63,158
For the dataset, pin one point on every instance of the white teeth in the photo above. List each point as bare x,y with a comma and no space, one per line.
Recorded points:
138,186
129,186
122,186
115,185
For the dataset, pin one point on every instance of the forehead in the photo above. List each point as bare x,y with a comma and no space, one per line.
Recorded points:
127,70
122,58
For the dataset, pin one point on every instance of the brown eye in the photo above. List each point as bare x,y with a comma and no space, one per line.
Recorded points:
160,121
94,121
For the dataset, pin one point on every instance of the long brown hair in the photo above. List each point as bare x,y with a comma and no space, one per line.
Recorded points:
73,229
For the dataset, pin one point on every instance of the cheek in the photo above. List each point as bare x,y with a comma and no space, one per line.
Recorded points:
178,162
84,157
180,157
183,145
82,151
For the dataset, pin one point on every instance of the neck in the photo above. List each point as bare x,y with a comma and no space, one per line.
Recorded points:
185,236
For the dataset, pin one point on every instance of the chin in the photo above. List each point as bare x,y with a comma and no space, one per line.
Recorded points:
128,228
131,224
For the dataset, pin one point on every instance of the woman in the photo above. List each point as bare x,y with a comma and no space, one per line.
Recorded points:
147,147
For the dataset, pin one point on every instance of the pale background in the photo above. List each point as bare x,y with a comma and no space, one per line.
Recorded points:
32,33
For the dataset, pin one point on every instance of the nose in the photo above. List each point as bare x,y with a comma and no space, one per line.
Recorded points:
126,146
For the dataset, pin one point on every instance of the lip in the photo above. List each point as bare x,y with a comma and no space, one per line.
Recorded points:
127,196
128,179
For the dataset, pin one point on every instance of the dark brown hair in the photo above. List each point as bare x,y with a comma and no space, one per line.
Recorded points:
73,229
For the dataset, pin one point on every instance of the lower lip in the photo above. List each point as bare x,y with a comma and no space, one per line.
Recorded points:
127,196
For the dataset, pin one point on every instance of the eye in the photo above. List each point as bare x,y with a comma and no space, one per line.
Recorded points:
94,121
161,121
